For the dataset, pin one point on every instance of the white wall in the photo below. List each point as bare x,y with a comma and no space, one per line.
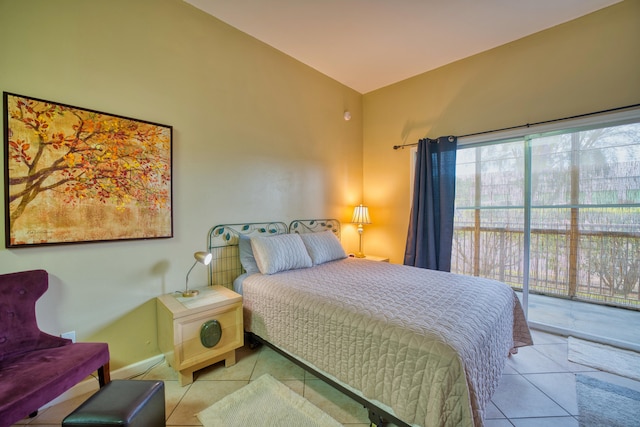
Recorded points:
585,65
257,137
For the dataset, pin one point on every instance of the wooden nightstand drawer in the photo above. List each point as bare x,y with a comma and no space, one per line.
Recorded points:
187,334
181,320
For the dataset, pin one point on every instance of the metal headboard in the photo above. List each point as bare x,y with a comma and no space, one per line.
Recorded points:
315,225
223,245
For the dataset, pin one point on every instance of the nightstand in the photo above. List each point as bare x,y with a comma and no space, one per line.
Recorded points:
199,331
376,258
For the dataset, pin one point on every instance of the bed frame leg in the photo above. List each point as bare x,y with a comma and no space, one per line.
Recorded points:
250,338
376,419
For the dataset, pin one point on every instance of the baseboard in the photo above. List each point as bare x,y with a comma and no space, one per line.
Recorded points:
91,384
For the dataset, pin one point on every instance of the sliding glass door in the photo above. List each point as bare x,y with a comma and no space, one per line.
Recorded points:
553,214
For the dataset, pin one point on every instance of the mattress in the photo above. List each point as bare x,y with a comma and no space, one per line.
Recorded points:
429,345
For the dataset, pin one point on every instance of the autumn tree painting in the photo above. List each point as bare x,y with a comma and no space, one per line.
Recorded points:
77,175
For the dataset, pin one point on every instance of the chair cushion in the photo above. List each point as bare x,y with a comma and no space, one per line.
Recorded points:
30,380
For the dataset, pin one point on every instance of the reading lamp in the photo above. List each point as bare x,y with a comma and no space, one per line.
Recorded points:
202,258
360,217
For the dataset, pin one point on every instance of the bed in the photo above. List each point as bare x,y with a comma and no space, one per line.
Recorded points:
414,346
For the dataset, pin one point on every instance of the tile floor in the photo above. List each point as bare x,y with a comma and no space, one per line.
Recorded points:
537,388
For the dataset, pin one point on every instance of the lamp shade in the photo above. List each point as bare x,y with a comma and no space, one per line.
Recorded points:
203,257
361,215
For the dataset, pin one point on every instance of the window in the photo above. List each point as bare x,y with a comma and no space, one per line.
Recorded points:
555,213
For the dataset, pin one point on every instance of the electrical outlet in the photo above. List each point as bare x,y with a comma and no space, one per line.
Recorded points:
71,335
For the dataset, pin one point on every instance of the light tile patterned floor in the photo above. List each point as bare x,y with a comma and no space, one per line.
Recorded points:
537,388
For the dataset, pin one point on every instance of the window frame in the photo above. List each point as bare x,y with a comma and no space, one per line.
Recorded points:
526,135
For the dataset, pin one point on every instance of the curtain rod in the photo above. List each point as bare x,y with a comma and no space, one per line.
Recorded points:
395,147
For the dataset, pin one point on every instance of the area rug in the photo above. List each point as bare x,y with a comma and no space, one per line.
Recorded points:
604,404
617,361
265,402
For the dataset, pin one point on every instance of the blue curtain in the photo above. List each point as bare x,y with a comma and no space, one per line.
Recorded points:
430,233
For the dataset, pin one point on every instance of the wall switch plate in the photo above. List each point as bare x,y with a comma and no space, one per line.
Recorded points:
69,335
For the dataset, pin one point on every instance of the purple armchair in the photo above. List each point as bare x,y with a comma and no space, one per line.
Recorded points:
36,367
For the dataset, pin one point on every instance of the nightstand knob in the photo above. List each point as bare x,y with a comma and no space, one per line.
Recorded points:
210,333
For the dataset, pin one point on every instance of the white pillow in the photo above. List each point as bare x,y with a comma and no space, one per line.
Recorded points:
280,253
247,259
323,247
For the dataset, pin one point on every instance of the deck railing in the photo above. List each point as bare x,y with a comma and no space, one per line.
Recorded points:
605,269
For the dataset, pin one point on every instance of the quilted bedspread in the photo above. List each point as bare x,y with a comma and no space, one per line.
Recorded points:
429,345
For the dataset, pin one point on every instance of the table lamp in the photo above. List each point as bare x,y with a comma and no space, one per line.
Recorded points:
360,217
202,258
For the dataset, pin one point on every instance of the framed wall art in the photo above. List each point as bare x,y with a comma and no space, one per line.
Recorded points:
74,175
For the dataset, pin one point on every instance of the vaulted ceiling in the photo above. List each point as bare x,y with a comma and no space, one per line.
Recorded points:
369,44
